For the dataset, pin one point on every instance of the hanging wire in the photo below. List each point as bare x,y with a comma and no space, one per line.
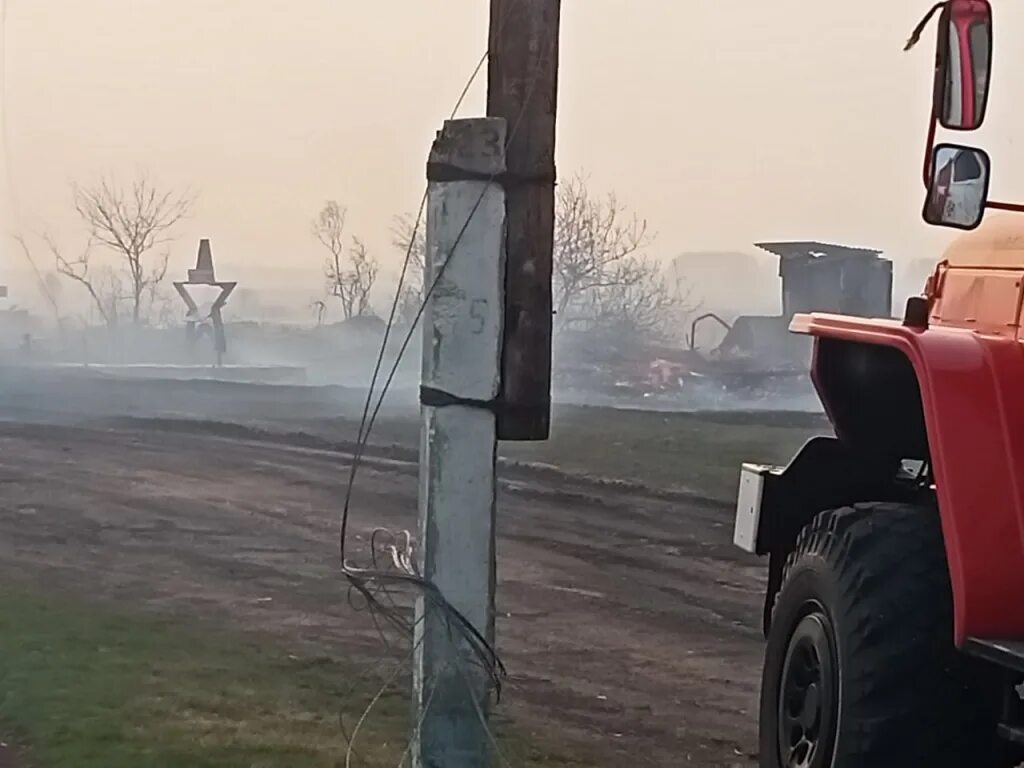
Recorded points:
373,581
392,567
362,435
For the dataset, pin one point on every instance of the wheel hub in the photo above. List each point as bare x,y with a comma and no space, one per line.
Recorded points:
808,695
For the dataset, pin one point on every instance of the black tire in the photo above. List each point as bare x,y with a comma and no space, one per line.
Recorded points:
866,601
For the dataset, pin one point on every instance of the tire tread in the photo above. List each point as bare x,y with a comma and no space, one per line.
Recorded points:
908,698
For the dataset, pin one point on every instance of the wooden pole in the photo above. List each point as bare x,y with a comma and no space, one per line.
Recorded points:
522,87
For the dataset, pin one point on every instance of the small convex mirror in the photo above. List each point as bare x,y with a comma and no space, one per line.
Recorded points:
965,61
958,187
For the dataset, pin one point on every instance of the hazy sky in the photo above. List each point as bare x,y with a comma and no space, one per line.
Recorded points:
722,121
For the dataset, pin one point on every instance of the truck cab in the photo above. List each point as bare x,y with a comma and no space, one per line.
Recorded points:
895,546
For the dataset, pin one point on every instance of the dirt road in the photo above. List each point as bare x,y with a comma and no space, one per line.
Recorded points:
628,623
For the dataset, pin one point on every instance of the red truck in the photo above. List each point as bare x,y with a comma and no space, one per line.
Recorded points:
894,609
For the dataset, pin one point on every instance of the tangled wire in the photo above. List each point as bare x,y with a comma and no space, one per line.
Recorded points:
390,582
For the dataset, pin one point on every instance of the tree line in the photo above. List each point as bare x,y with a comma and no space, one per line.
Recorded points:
604,277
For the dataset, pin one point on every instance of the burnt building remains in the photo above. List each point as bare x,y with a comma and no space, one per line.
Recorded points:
759,358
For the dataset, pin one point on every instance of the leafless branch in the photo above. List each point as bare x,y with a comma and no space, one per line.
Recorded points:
410,241
79,269
602,279
362,276
133,222
329,229
350,272
593,238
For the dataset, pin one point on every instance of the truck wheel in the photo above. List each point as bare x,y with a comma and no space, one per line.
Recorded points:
860,668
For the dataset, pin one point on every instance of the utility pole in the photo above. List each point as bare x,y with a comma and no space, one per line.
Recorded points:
522,87
461,379
486,362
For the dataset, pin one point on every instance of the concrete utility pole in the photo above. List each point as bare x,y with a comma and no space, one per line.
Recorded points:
486,361
461,377
522,87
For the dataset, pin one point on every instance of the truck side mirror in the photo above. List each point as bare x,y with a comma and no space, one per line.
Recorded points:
957,187
964,63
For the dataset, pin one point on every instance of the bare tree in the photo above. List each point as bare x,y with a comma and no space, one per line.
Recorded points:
162,308
350,271
112,295
102,285
353,287
595,240
642,301
411,241
602,280
329,229
133,222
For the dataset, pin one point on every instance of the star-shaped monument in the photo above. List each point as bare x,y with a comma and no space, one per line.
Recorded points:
196,322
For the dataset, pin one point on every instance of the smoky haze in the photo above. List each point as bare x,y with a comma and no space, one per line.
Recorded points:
723,123
717,124
217,540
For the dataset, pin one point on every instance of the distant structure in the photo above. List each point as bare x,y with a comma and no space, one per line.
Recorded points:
15,327
821,277
816,277
212,324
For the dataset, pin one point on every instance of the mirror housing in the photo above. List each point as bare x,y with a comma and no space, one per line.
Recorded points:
957,186
963,64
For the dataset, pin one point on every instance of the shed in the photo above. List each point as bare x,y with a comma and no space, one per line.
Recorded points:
824,277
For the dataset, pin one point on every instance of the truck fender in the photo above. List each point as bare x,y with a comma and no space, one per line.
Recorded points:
956,398
824,474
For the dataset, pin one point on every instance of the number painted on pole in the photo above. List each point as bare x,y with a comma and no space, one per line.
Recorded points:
477,312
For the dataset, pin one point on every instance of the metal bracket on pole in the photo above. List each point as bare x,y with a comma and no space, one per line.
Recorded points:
461,382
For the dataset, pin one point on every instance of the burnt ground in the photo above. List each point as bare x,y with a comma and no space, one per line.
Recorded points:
628,622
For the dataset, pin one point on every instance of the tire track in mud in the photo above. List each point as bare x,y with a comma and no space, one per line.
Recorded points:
628,622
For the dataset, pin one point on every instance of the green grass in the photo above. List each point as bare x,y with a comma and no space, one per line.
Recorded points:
95,686
700,452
